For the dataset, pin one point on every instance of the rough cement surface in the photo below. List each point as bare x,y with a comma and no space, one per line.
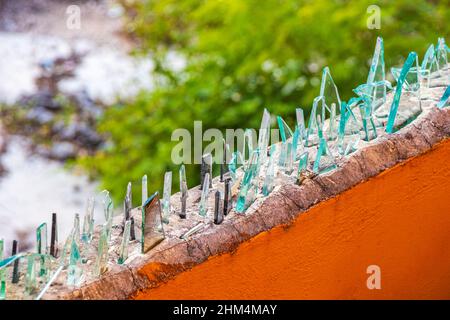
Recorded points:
281,207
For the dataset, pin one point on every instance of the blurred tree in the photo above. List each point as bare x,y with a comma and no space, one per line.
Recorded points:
242,56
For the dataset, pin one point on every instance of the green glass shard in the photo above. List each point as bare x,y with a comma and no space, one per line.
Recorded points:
2,273
152,226
269,180
264,135
166,196
183,190
248,189
400,115
74,270
429,68
349,131
285,131
441,54
88,221
324,161
303,163
30,276
203,205
101,264
445,99
42,245
377,76
297,143
144,190
76,226
123,254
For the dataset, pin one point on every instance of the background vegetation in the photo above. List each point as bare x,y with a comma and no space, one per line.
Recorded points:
242,56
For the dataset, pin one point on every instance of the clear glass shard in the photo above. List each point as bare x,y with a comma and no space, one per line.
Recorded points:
206,167
107,204
445,99
183,191
203,205
400,114
282,156
429,68
123,253
270,173
349,131
144,190
312,133
42,245
247,146
289,164
441,54
264,134
101,264
301,122
235,162
324,161
285,130
331,103
152,226
377,76
30,277
88,221
249,185
166,196
76,226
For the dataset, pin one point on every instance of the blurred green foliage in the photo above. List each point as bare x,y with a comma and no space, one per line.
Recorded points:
242,56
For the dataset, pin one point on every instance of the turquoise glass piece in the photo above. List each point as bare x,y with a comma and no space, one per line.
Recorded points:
369,123
2,273
203,206
349,131
166,196
235,162
303,163
101,264
248,190
88,221
429,68
123,253
324,161
297,143
409,80
269,180
42,246
377,76
74,270
312,133
445,99
30,276
264,134
144,190
285,130
441,54
152,226
282,156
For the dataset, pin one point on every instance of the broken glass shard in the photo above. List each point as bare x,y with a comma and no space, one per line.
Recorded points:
218,213
289,164
441,54
269,180
349,131
2,273
101,264
152,227
30,276
301,122
330,103
303,163
429,68
42,246
183,191
264,135
401,114
445,99
88,222
206,167
203,206
247,146
248,190
166,196
312,133
235,163
285,131
123,253
144,190
324,161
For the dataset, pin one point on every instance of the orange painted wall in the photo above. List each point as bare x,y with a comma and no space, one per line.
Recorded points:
399,220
